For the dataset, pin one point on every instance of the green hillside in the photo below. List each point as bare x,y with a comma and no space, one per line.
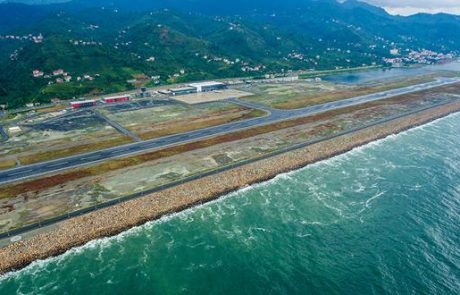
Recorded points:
113,46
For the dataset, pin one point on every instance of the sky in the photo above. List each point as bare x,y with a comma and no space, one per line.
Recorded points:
402,7
408,7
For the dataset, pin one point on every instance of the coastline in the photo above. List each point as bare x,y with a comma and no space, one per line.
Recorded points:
118,218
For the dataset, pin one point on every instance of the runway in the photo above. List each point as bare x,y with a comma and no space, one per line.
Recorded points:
273,115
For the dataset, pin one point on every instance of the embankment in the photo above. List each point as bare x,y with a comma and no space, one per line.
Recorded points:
118,218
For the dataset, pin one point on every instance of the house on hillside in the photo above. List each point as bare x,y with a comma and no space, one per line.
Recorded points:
58,72
37,73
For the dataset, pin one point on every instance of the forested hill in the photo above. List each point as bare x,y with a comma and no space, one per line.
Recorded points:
104,45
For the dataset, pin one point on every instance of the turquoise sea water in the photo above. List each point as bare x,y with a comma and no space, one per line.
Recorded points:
382,219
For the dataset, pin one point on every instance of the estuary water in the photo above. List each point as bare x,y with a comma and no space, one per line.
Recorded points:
363,77
382,219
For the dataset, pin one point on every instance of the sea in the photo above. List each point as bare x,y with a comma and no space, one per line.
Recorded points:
381,219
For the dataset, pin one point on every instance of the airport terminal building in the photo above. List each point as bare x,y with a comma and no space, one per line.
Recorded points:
183,91
197,88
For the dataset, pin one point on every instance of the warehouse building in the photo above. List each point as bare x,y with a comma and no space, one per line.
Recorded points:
208,86
115,99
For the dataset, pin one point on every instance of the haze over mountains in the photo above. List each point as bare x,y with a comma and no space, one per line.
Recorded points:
114,41
34,2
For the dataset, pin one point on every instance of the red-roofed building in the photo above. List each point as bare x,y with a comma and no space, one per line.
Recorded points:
115,99
83,104
37,73
58,72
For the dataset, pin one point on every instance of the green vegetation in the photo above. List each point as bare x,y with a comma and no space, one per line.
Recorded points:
196,40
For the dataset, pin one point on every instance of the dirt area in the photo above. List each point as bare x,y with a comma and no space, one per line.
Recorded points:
35,200
306,93
212,96
165,120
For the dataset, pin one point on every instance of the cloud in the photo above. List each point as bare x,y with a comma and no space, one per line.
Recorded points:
408,7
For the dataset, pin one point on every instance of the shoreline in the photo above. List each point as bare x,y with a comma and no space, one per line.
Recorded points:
121,217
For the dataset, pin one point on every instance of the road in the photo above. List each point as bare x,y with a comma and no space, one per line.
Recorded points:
43,168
